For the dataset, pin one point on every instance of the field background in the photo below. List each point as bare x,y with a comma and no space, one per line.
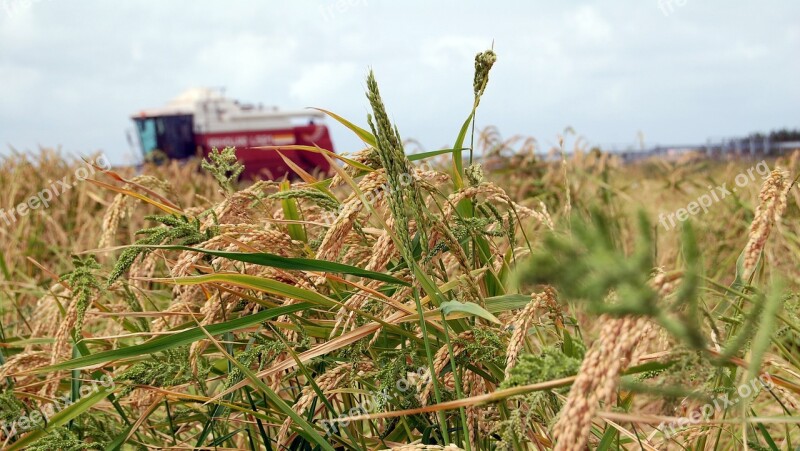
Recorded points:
559,313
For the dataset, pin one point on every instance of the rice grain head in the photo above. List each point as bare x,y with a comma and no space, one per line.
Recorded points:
772,205
61,350
333,378
521,325
597,380
114,215
442,359
474,385
404,194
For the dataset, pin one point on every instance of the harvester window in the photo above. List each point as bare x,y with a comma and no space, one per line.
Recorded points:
147,135
173,135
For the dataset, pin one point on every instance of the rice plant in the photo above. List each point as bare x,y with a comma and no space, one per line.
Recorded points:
478,297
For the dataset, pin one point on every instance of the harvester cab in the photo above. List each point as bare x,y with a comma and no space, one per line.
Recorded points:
202,118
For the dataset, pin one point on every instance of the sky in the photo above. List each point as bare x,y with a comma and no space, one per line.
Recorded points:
671,71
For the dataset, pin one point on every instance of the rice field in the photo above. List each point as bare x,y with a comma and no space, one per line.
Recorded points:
479,298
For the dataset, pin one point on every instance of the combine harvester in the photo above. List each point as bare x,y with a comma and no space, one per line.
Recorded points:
200,119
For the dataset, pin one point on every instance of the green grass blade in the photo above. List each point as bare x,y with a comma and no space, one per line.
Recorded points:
260,284
470,308
4,267
433,153
765,434
293,264
308,431
365,136
172,341
290,212
458,159
506,302
61,418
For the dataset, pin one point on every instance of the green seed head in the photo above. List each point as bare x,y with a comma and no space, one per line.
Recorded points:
483,64
474,174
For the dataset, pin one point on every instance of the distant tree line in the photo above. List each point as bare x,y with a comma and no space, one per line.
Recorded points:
782,135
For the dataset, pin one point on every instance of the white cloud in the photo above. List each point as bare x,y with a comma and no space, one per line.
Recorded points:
608,68
137,52
446,51
322,81
590,26
246,59
18,86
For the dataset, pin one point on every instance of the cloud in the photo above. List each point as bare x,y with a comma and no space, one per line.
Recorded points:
321,81
609,69
245,59
590,26
18,84
447,51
